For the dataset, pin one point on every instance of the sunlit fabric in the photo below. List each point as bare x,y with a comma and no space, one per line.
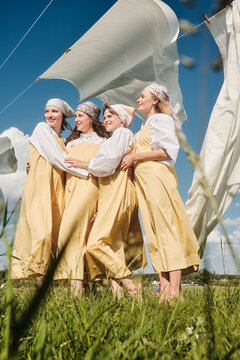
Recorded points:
171,241
8,161
40,217
8,164
111,152
131,46
81,196
115,244
220,153
45,143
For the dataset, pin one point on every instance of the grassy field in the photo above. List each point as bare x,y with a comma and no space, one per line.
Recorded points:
205,326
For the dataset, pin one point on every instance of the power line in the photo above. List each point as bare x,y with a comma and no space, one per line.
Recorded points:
25,35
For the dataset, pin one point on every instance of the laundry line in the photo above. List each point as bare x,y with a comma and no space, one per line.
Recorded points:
11,53
38,78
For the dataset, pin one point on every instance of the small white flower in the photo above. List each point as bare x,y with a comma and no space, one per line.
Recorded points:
189,330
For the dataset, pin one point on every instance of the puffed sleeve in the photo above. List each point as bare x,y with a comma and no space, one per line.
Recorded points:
49,149
110,153
163,135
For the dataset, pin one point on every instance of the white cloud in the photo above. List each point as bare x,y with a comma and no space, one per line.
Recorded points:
214,237
232,222
12,184
237,204
217,255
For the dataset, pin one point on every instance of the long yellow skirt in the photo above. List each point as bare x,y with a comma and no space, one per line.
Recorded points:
40,216
115,242
81,196
171,241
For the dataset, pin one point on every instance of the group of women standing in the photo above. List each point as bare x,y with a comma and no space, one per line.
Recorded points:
80,193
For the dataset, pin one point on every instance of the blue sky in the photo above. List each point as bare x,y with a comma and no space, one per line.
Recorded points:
63,23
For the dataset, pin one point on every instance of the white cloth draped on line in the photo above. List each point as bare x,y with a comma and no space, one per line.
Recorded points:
8,165
220,153
131,46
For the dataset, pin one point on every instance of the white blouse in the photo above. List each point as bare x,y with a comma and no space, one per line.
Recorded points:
49,149
163,136
92,138
110,153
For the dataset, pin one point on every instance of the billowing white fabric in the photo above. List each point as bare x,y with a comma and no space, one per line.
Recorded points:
110,153
163,136
8,164
49,149
220,153
8,161
131,46
92,138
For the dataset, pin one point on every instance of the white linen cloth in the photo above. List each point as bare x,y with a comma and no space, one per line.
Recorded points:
163,136
8,164
8,161
49,149
110,153
220,153
130,47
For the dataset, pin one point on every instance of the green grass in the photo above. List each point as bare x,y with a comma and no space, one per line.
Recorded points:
205,326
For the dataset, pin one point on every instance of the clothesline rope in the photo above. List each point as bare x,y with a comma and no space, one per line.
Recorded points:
188,32
28,87
17,97
25,35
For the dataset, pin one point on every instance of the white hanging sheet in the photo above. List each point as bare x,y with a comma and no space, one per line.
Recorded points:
132,45
220,153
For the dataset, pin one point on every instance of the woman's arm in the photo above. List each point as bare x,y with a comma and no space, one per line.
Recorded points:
109,155
48,147
72,162
159,154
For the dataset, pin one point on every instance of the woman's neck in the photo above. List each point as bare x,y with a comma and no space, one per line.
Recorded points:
57,130
152,112
88,132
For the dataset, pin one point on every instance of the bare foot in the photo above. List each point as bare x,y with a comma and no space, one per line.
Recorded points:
131,288
117,289
40,279
77,287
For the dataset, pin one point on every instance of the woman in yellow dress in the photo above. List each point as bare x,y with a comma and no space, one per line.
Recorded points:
81,195
43,197
117,202
171,241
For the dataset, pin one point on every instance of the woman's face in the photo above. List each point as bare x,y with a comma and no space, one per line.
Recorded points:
53,117
146,102
83,122
111,121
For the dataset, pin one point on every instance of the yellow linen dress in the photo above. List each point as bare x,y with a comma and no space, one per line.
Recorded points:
40,217
115,244
171,241
81,197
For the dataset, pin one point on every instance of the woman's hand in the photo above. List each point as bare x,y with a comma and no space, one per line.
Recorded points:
28,167
72,162
126,162
130,173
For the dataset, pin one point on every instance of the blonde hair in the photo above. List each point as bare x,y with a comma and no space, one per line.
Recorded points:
161,106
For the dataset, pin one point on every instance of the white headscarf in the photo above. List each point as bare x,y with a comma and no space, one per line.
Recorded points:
61,105
126,113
